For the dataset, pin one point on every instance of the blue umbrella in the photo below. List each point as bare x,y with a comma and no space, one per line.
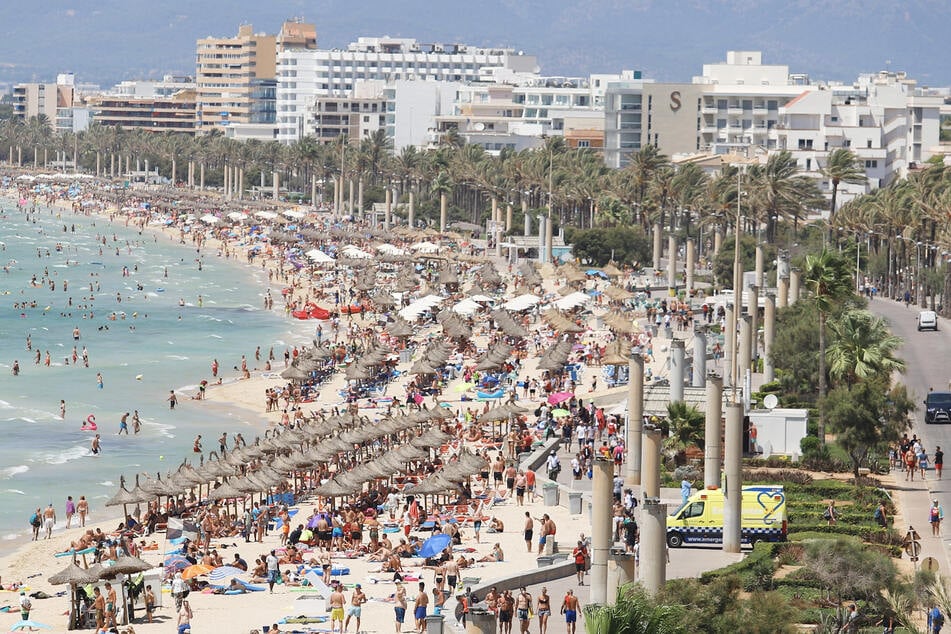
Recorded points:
222,573
176,563
434,545
33,625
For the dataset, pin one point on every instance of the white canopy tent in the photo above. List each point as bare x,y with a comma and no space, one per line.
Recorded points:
265,215
425,247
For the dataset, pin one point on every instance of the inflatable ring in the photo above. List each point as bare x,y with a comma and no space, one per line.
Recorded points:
90,424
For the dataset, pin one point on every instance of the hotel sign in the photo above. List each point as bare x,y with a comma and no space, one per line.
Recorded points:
675,102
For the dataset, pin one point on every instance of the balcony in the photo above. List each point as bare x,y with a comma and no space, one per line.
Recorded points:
708,109
734,110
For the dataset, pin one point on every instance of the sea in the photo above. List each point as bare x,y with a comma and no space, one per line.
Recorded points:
152,314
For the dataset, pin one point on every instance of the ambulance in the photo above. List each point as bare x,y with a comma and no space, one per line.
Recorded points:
700,520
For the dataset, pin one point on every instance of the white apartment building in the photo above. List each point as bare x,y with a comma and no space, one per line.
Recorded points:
151,89
517,117
744,107
305,74
885,119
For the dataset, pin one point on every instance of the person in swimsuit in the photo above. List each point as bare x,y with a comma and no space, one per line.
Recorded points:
419,607
83,509
569,607
544,611
337,601
400,607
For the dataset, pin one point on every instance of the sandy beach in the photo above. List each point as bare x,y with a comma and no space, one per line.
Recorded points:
33,562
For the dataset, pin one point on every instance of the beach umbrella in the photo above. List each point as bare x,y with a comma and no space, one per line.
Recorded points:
559,413
29,625
127,565
196,571
221,573
559,397
74,575
434,545
225,491
176,563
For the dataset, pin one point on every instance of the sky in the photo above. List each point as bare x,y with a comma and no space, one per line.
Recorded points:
104,41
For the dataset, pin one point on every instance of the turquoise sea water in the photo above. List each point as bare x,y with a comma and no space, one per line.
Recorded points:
44,458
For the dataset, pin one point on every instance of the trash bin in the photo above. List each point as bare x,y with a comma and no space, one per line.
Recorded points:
544,560
668,332
480,621
434,624
574,502
550,493
406,356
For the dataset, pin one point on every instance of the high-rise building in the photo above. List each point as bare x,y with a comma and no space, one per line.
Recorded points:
235,76
42,100
307,73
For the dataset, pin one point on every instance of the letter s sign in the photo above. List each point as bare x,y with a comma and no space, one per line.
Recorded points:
675,103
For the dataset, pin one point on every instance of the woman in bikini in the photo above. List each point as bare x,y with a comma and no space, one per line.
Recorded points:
544,611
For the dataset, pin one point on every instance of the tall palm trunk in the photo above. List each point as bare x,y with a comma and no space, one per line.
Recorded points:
822,376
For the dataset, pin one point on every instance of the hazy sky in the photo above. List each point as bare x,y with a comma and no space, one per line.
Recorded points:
107,40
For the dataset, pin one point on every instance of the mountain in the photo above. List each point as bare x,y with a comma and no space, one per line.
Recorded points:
108,40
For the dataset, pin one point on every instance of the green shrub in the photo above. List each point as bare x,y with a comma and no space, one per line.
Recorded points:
810,445
757,565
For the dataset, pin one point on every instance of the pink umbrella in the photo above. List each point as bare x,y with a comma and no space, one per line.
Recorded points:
559,397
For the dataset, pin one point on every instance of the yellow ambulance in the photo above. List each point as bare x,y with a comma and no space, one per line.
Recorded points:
700,520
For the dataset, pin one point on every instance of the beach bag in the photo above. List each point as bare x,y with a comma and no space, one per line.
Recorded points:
878,515
35,520
827,515
934,514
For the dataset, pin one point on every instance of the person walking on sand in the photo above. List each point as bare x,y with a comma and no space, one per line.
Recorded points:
149,602
49,520
70,510
400,608
83,509
337,601
419,607
357,599
185,618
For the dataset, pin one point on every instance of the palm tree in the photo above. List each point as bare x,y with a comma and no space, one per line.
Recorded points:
862,347
842,166
644,163
829,278
779,191
685,429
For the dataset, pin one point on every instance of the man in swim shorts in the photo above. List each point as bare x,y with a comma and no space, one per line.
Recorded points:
569,607
400,607
337,601
49,519
357,599
419,611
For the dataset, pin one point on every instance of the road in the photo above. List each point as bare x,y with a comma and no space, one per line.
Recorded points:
926,367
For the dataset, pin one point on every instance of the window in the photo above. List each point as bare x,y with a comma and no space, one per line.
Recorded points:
584,143
805,144
694,510
871,164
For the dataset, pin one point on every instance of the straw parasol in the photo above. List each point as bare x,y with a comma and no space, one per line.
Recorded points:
74,575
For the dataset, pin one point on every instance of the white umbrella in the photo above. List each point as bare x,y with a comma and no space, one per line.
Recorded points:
572,300
318,256
356,253
425,247
210,219
390,249
265,215
238,216
521,302
466,307
296,215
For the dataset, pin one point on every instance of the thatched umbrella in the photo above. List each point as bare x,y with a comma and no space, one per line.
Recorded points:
127,566
611,270
294,373
123,497
74,575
